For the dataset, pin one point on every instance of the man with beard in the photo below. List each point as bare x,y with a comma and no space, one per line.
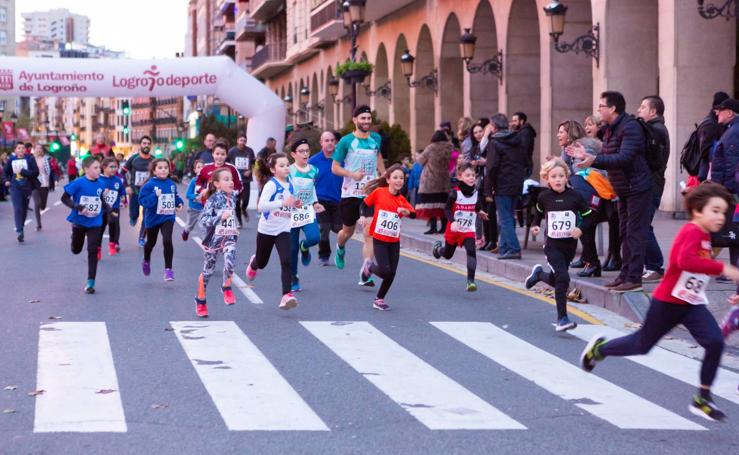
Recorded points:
519,123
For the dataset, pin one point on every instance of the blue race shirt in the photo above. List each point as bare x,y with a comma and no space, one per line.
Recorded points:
192,196
88,193
328,184
159,209
114,186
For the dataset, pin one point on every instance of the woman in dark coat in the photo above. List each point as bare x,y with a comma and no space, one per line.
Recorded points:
435,186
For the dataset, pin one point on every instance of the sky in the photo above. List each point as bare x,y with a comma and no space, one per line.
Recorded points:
141,28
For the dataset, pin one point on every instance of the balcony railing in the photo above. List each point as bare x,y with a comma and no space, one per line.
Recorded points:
328,14
263,10
273,52
247,27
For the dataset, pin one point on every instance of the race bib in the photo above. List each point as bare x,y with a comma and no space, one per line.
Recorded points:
465,220
560,224
303,215
388,224
110,197
355,188
691,287
140,178
228,226
241,163
165,204
91,206
19,165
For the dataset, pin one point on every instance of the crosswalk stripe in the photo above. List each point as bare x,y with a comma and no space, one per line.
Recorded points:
424,392
248,391
246,290
77,374
669,363
586,391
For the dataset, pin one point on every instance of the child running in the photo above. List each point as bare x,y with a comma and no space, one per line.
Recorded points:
389,206
567,215
680,298
85,196
111,218
194,207
303,177
220,153
159,198
220,236
275,207
462,207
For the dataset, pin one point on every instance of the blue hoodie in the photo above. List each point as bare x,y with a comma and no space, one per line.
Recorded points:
115,188
192,196
86,194
153,204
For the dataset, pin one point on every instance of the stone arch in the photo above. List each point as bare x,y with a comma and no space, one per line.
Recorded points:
315,113
451,72
401,92
484,87
424,106
379,103
329,113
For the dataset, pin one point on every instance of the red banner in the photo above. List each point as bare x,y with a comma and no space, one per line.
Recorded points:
9,131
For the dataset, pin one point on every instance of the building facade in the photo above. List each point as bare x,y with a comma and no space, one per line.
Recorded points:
57,24
7,46
159,118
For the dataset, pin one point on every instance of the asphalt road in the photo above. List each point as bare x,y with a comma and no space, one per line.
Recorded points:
131,370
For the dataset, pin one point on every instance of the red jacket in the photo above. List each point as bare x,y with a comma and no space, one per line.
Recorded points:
207,171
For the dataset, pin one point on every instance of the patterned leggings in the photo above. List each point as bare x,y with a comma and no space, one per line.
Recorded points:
209,266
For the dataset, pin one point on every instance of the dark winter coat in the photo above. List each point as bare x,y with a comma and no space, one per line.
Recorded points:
435,175
726,158
662,136
528,136
505,169
709,132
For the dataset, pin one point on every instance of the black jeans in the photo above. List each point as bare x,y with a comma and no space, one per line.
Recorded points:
387,256
663,317
242,202
447,251
280,241
114,224
328,221
490,227
633,213
559,255
151,239
93,235
40,196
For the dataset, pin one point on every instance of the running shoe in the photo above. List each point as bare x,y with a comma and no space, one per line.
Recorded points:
201,308
38,228
706,408
132,222
142,242
168,275
228,296
435,250
295,286
730,322
471,286
146,268
339,257
112,249
304,255
591,354
370,283
380,304
564,324
117,247
364,273
288,301
100,253
185,236
20,238
250,272
533,277
90,287
323,261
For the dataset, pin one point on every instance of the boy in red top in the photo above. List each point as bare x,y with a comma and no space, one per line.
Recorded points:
72,171
390,206
681,299
220,152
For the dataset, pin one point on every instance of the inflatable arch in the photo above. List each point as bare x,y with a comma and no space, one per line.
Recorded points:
189,76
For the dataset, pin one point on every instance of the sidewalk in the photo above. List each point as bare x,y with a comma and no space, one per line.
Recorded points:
631,305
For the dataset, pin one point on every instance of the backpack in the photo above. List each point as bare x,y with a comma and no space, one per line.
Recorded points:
652,148
691,156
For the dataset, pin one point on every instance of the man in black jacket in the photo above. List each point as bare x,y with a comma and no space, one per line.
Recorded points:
623,156
520,124
709,132
504,176
652,110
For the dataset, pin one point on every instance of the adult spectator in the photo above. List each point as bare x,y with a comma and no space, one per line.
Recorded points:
464,134
434,187
504,175
520,124
567,133
206,155
269,148
709,132
243,159
652,110
328,191
100,148
592,126
623,156
487,230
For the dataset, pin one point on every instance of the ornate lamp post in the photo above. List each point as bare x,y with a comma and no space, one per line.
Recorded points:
385,90
712,11
429,81
589,43
492,66
333,90
353,16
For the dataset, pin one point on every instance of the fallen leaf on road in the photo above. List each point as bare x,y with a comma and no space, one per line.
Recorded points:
8,411
36,392
34,301
105,391
55,317
159,406
505,326
11,387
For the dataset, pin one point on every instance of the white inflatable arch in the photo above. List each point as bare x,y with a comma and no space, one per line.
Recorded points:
189,76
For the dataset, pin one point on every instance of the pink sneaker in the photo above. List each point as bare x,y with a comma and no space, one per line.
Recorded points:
730,322
228,296
288,301
250,272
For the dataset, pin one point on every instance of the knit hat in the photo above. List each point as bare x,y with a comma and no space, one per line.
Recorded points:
297,144
729,103
718,98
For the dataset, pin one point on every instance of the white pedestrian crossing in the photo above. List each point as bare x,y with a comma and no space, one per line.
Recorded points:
669,363
427,394
586,391
78,379
246,388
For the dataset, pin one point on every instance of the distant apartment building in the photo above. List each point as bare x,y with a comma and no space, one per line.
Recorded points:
57,24
7,45
159,118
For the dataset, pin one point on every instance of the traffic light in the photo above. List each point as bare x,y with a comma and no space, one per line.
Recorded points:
126,108
73,137
179,145
55,146
125,129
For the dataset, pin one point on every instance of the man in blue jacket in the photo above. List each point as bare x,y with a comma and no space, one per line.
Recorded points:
726,156
623,156
328,191
20,174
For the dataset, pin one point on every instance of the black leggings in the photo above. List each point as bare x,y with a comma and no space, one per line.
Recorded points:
387,255
447,251
151,239
40,196
663,317
265,243
93,235
242,202
559,257
114,224
490,227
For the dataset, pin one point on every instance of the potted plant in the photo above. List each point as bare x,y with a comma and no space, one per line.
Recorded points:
354,72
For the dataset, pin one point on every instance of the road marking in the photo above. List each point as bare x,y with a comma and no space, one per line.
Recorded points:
57,203
77,374
182,224
248,391
424,392
246,290
586,391
669,363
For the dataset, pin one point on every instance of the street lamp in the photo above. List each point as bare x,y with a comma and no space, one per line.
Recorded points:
492,66
712,11
429,81
304,96
333,90
385,90
588,44
288,100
